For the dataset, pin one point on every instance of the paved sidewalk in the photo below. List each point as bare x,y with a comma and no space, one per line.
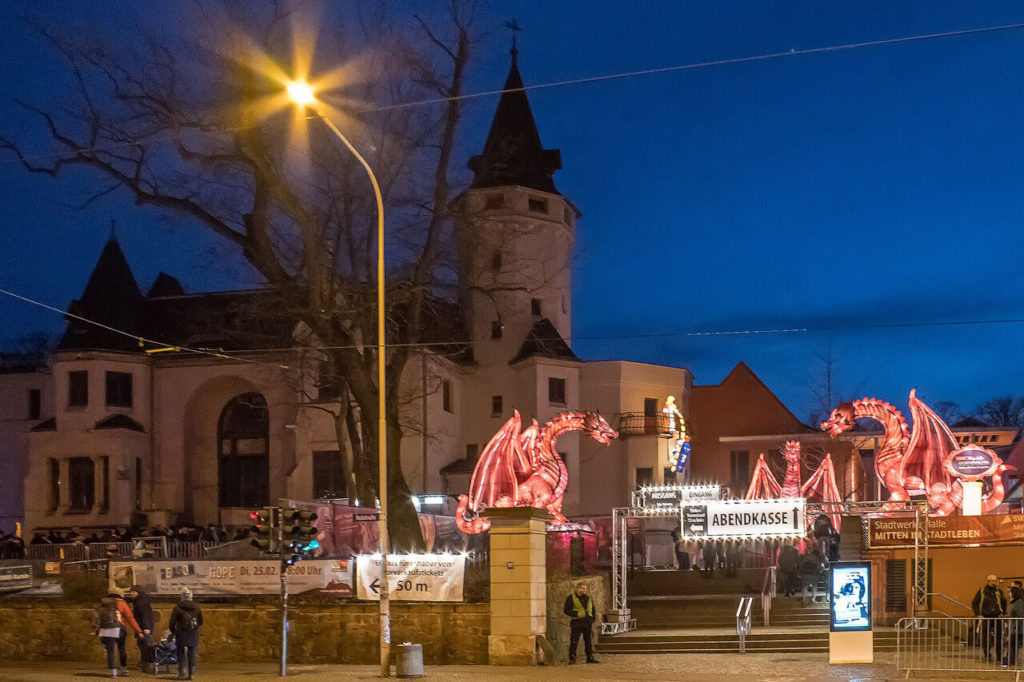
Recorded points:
697,667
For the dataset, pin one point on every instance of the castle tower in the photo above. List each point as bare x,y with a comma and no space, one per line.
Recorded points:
516,236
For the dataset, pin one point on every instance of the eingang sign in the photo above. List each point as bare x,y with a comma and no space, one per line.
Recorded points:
744,519
675,495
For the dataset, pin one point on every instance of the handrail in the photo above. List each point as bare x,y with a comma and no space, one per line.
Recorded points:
743,622
768,591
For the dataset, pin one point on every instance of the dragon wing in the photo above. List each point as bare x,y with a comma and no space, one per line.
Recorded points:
929,444
822,485
763,484
494,477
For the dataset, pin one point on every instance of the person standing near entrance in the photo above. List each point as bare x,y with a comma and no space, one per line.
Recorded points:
580,608
710,557
990,604
1015,624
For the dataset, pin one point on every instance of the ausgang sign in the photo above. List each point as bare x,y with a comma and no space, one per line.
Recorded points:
745,518
674,495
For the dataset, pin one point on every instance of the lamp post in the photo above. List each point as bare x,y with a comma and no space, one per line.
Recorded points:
303,95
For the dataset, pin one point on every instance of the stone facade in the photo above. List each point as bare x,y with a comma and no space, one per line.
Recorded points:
347,633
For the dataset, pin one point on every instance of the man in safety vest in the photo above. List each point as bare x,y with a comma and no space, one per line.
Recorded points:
990,604
580,608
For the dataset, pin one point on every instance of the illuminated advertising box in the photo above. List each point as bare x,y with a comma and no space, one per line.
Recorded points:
850,589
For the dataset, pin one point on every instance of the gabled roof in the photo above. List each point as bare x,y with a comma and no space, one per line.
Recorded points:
119,421
739,373
165,285
513,153
112,298
970,422
544,341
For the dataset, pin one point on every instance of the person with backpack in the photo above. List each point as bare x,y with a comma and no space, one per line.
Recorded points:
990,604
106,624
812,567
142,609
186,619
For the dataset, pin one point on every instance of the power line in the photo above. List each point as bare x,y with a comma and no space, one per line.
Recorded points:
233,355
142,340
557,84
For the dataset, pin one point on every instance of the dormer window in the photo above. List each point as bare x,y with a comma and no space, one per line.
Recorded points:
494,201
119,389
538,205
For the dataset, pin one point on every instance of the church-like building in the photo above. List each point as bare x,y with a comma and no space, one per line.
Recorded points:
113,431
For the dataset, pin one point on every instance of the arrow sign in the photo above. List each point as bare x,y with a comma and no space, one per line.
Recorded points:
375,586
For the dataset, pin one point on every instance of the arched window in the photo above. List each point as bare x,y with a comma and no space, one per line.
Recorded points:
243,458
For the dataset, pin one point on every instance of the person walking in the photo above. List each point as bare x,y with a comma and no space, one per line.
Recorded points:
580,608
812,566
789,569
186,619
990,604
142,609
679,545
733,556
106,624
710,557
125,617
1014,624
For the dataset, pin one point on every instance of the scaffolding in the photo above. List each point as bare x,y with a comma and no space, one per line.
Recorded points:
619,619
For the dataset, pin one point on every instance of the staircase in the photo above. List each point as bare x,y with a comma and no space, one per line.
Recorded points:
680,612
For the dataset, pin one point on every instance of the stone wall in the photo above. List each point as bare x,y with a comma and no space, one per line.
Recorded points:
558,623
346,633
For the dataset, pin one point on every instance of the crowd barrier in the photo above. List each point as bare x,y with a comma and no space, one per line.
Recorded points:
959,645
75,551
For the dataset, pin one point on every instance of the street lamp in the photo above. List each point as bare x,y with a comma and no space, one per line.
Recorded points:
304,96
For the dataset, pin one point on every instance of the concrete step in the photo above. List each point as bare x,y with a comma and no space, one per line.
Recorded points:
728,642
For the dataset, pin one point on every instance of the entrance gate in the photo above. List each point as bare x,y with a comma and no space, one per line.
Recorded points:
619,619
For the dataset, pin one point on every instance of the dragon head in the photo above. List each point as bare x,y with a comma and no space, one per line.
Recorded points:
595,426
842,419
792,451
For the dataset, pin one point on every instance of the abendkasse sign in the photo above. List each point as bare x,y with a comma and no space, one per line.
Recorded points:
755,518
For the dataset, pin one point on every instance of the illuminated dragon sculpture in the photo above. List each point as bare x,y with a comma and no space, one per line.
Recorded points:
914,463
521,468
820,487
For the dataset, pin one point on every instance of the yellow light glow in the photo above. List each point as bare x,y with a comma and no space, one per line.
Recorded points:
301,93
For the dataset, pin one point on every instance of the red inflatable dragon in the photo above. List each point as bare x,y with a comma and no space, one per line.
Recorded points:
522,468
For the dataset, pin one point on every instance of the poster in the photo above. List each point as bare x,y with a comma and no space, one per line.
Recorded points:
412,577
229,577
850,605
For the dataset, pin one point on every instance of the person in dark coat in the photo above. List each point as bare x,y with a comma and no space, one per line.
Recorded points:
789,569
990,604
710,557
186,619
142,609
580,608
1015,623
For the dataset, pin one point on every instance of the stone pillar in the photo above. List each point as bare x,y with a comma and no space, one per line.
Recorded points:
518,584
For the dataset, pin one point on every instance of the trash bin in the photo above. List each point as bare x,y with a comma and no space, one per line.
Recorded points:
408,660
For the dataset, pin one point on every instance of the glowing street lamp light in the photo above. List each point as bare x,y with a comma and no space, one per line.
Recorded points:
303,95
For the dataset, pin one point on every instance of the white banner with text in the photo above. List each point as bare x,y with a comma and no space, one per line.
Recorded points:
412,577
226,577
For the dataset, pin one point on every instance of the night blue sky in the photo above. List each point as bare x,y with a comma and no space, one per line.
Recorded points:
841,191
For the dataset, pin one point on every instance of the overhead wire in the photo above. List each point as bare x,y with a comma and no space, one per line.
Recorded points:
234,355
552,84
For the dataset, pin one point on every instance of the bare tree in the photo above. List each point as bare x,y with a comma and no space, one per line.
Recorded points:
1006,410
948,411
189,126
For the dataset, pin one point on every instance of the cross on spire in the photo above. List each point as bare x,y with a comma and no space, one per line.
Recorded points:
514,26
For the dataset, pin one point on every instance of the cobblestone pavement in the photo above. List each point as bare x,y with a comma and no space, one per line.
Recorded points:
759,667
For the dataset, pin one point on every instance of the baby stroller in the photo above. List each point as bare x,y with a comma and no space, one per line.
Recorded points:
165,653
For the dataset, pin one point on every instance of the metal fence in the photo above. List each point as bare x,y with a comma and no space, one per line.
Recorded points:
959,645
176,549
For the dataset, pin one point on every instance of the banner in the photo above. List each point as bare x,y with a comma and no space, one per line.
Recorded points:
412,577
743,518
675,495
15,578
993,529
229,577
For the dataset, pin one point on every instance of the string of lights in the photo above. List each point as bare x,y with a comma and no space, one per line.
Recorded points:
171,136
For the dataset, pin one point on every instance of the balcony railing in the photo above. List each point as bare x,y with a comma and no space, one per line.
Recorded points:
639,424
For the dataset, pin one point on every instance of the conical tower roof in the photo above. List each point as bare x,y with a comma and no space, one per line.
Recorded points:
513,153
112,298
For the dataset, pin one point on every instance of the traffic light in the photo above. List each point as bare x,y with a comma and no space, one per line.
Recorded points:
265,529
299,536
